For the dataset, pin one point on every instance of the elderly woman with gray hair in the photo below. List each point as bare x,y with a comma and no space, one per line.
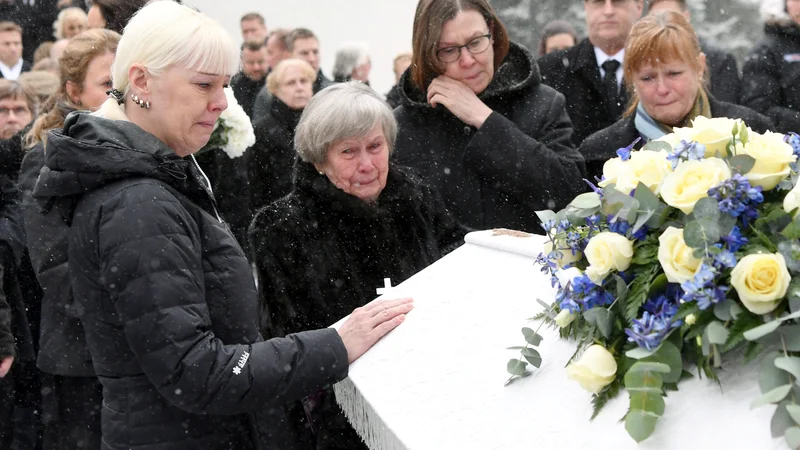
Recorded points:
352,63
352,220
165,294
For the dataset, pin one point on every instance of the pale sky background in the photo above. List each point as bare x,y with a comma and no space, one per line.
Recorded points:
384,24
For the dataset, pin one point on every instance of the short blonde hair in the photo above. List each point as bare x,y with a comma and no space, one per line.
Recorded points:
42,84
65,16
164,34
276,76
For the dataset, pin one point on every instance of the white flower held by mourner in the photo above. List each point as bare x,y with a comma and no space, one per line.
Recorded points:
605,252
594,370
238,134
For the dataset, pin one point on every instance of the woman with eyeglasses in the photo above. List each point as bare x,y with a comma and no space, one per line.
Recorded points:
477,123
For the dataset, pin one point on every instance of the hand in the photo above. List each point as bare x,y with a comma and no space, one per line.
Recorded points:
370,323
5,365
459,99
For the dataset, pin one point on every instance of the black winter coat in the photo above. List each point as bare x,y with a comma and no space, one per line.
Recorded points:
723,81
320,253
771,76
603,145
245,90
63,343
270,161
167,298
521,160
574,73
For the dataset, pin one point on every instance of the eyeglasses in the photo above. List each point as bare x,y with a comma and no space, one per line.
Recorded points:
478,45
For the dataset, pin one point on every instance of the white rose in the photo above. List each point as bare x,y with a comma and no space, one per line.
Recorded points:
772,156
594,370
605,252
645,166
761,280
691,181
564,318
567,275
566,253
792,200
676,258
714,134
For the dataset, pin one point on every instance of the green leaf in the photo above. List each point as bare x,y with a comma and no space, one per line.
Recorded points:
587,200
546,216
742,163
781,421
643,382
701,233
516,367
792,231
706,208
602,319
640,424
531,337
723,310
532,356
601,399
790,364
773,396
793,437
726,224
770,376
652,403
656,146
717,333
516,347
670,355
640,353
736,310
794,411
761,331
791,336
639,290
645,366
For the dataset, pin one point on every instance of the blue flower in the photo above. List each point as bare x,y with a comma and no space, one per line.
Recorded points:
563,226
574,242
686,150
619,226
625,152
734,240
703,288
582,294
548,226
725,259
794,140
738,198
657,320
595,189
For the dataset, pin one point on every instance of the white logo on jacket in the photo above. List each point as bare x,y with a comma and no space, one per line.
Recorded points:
237,369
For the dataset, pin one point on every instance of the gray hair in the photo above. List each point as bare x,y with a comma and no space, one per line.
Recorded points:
349,56
341,111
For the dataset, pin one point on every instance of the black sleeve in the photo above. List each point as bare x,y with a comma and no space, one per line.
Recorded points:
545,170
261,106
7,347
449,233
165,318
761,89
725,79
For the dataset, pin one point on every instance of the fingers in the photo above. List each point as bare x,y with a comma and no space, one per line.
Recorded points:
384,328
5,366
388,313
375,307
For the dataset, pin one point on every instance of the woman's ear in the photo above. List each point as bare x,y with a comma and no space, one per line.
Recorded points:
139,79
74,92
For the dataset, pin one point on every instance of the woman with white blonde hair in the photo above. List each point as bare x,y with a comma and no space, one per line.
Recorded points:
352,63
164,292
70,23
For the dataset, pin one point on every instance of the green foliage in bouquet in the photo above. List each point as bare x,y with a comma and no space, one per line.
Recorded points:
682,256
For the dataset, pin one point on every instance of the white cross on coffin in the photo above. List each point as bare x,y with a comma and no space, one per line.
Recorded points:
387,285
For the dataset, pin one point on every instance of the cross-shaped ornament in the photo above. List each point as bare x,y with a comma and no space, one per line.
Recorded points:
387,285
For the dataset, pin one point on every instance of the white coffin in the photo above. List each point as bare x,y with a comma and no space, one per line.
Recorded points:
436,382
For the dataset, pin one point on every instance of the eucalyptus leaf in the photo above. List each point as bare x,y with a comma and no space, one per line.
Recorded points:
640,424
531,337
546,216
791,316
644,401
586,200
669,354
794,411
726,223
548,309
717,333
791,337
735,310
723,310
770,376
781,421
640,353
516,347
516,367
792,437
657,146
646,366
790,364
701,233
622,288
773,396
742,163
648,201
706,208
643,382
792,230
641,219
534,361
602,319
762,330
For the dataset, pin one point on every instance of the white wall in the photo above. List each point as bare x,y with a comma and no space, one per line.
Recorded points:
384,24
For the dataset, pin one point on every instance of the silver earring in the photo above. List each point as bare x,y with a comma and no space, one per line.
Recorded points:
141,102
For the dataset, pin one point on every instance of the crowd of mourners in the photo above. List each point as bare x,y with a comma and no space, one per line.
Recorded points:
157,294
